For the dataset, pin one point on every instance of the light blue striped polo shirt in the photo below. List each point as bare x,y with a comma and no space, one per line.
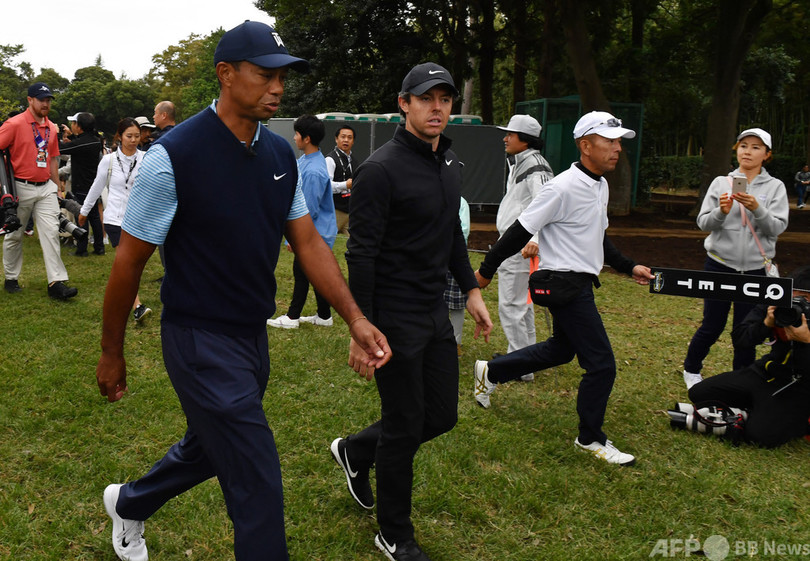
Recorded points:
153,201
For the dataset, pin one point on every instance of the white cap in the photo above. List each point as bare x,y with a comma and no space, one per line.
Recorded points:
73,117
759,133
144,122
525,124
602,123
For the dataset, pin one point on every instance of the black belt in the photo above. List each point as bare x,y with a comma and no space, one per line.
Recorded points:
36,183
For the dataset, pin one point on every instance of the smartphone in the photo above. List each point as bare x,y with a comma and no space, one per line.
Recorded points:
739,185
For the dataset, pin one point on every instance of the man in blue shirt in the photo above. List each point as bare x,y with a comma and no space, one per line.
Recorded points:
317,187
217,295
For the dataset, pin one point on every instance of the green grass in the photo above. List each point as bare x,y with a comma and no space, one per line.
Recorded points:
505,484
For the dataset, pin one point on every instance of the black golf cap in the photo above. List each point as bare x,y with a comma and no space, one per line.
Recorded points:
258,43
424,76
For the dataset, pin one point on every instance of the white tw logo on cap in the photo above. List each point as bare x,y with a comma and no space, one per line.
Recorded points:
277,37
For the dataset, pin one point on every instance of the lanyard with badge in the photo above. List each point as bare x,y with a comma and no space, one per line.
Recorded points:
42,145
131,167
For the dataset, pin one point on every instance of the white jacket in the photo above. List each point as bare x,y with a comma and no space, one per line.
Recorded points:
527,175
109,166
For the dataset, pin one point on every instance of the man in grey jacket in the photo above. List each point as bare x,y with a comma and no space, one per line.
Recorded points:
528,171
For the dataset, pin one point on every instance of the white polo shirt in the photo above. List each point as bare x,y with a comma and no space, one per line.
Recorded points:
570,216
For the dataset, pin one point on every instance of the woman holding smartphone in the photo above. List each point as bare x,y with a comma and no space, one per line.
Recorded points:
732,246
117,172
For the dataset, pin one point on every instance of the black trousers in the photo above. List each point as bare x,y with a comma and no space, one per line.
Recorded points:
419,401
772,419
94,219
300,292
577,331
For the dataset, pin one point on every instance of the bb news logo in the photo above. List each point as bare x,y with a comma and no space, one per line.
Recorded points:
718,548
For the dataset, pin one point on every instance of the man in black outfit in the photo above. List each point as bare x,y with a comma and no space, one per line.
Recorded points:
83,146
339,164
405,236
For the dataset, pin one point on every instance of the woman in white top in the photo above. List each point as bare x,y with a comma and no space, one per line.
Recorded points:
732,247
117,171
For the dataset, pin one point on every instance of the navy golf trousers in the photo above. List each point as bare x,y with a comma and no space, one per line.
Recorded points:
577,331
220,381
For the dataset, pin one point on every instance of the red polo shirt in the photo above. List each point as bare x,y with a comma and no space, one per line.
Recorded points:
17,135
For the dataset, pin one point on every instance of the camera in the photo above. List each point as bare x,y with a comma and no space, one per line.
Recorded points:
69,227
70,204
713,419
792,316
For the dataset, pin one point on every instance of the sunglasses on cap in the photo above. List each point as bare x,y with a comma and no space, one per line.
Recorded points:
610,123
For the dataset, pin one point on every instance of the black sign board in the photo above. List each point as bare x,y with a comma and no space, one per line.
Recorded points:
722,286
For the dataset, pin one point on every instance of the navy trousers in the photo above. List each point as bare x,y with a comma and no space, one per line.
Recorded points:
419,401
715,315
220,381
577,331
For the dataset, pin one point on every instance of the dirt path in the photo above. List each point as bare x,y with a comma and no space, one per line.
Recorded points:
662,240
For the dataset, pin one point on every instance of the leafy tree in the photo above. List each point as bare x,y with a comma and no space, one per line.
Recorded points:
123,98
738,23
359,51
93,74
96,90
12,86
55,81
185,73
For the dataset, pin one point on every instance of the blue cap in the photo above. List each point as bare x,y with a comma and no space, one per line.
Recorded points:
39,90
258,43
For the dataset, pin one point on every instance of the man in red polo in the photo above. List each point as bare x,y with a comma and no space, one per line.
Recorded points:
33,143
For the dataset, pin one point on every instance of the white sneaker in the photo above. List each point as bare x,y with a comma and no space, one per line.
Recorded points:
607,452
316,320
284,322
528,377
690,379
127,535
483,387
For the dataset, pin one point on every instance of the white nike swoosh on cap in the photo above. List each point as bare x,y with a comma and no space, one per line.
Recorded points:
431,72
277,177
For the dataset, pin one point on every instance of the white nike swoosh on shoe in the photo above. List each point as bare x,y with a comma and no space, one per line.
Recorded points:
432,72
277,177
388,547
351,473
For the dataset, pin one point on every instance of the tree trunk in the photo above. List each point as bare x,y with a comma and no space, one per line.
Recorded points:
737,26
519,21
592,97
486,59
545,72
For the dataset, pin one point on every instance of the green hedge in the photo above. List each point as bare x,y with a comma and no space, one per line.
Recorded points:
683,172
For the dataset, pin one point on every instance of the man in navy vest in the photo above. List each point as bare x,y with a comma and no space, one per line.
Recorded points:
218,293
